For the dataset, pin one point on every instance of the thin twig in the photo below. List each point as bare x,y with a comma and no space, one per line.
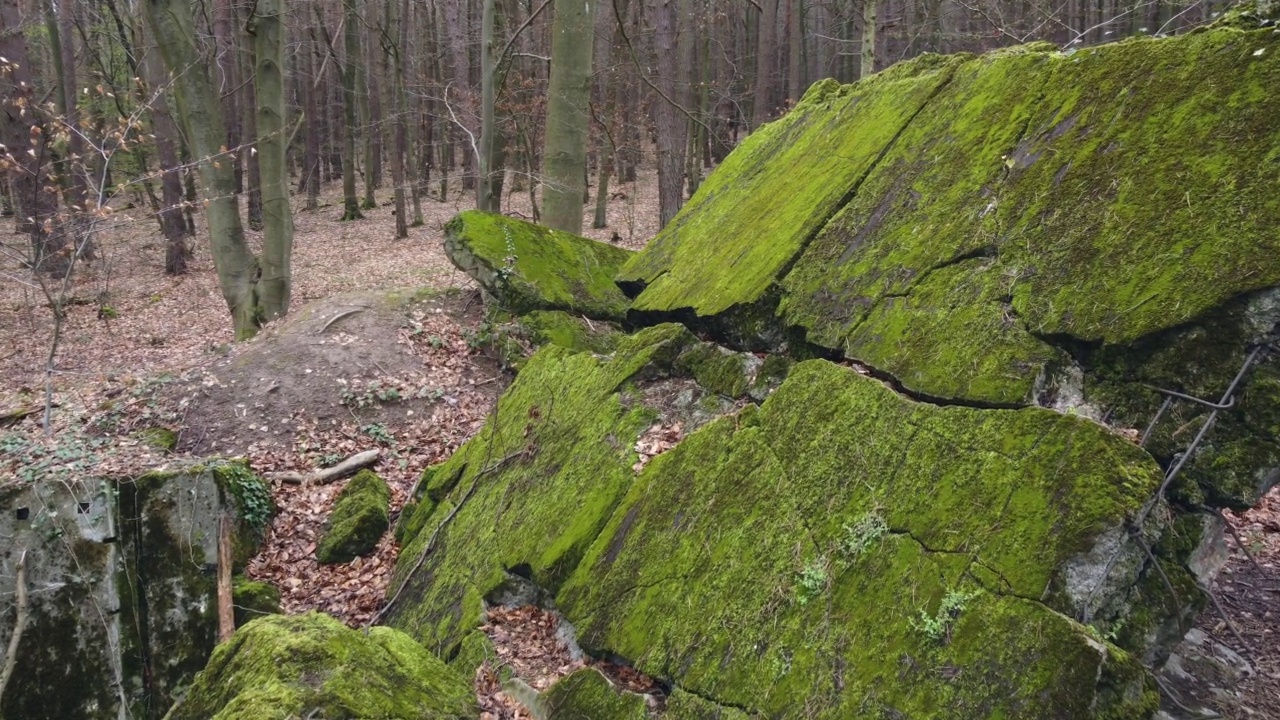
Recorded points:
11,656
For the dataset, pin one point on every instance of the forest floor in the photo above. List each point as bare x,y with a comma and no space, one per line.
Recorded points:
346,372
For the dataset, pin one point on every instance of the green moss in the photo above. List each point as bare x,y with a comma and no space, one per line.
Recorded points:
575,333
313,666
716,369
358,520
588,695
753,215
693,576
538,483
253,599
682,705
530,267
160,438
1101,195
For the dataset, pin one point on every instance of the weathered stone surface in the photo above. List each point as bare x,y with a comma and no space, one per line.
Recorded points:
253,599
121,580
277,668
925,540
1030,226
751,217
529,267
360,516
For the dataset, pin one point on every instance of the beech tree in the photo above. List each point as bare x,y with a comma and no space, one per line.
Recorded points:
568,117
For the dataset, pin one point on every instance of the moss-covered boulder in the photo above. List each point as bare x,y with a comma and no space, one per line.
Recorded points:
840,547
588,695
530,267
277,668
1079,230
253,599
557,327
359,518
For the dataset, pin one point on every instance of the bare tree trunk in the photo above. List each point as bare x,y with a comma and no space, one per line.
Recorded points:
414,174
311,157
486,197
28,153
392,57
766,54
350,70
459,93
275,287
669,119
238,270
166,132
869,21
568,115
795,47
228,64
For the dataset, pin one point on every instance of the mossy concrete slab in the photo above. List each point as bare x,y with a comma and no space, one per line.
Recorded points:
532,490
530,267
311,665
735,569
754,214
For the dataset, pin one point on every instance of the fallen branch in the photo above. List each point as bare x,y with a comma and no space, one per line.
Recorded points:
338,317
11,656
12,417
328,475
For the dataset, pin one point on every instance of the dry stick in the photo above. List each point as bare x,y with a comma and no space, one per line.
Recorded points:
1217,605
11,656
328,475
226,616
1240,542
338,317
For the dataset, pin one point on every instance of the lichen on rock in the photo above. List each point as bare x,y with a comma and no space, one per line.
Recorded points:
359,518
312,666
529,267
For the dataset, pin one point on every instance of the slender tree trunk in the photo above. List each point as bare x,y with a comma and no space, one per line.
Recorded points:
459,95
398,110
568,115
166,132
869,20
275,287
238,270
795,48
350,70
411,124
766,62
311,157
488,192
670,122
228,64
28,154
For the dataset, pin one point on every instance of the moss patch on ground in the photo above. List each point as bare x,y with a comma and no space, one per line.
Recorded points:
557,327
588,695
754,214
359,518
530,267
313,666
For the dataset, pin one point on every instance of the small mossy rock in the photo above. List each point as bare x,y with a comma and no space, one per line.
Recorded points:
253,599
360,516
530,267
566,428
277,668
557,327
160,438
588,695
